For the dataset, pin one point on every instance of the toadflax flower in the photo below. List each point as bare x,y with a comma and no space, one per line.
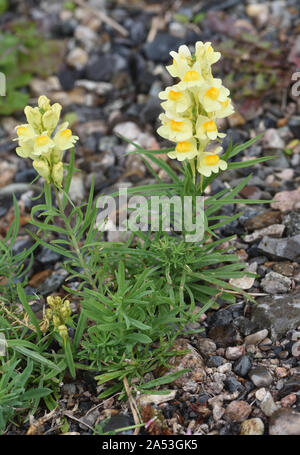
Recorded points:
41,141
192,108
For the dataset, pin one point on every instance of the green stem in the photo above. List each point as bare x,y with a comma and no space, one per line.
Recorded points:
74,240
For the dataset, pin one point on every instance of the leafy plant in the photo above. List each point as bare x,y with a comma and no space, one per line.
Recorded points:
24,53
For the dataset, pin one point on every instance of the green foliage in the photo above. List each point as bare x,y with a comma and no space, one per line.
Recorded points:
3,6
13,267
136,296
24,53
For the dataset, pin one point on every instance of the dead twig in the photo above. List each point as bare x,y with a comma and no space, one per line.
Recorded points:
133,406
104,17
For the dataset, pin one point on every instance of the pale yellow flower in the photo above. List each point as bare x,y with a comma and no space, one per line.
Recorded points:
207,128
175,129
25,133
205,53
191,77
64,139
211,95
185,150
226,109
209,162
178,101
42,145
181,60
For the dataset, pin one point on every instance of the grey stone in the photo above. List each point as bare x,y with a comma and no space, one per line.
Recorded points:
287,248
214,361
285,422
275,283
260,376
292,222
268,405
47,256
256,337
206,346
278,314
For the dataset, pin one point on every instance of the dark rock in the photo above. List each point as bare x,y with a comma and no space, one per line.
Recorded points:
214,361
52,283
244,325
223,335
103,67
277,314
21,245
242,366
67,78
291,385
260,376
119,421
27,175
288,248
151,110
47,256
232,385
294,125
292,222
158,50
221,317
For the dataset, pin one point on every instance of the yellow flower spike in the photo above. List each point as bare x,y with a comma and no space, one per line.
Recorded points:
185,150
193,106
209,162
57,173
42,168
207,128
51,118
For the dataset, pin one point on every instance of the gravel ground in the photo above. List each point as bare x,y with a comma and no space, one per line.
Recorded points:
246,362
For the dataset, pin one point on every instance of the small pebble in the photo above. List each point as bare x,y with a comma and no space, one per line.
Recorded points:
252,427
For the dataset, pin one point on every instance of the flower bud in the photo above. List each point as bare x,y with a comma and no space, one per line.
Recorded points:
57,173
44,103
63,331
51,117
34,118
42,168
